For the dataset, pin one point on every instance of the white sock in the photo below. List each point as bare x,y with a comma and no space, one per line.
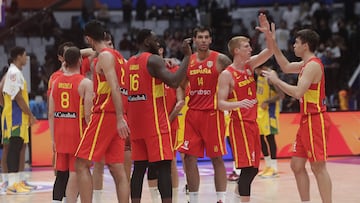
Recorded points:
236,198
274,164
306,201
194,197
154,192
64,200
175,192
97,196
22,175
55,201
267,161
221,196
5,177
238,171
13,178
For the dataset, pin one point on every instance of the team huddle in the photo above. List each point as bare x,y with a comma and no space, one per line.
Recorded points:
104,109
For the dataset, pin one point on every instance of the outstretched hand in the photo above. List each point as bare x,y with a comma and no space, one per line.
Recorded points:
271,75
264,25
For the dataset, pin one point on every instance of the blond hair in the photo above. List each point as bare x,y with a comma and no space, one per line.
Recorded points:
235,43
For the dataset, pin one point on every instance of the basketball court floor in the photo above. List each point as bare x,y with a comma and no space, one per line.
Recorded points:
344,171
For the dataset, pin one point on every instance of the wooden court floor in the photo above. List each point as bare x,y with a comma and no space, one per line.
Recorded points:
344,171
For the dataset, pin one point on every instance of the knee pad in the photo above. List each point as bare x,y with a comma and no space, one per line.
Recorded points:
247,175
137,179
164,178
152,172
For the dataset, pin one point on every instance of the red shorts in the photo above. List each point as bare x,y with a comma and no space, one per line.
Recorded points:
312,136
152,148
204,130
245,142
102,140
173,139
64,162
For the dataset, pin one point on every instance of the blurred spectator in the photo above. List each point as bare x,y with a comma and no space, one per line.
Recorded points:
343,95
239,28
39,78
127,9
276,13
176,17
324,31
282,36
141,8
13,14
125,43
38,106
50,27
322,14
165,13
103,14
153,13
290,15
174,44
189,15
89,7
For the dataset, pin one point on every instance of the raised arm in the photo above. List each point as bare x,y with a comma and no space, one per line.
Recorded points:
265,54
157,67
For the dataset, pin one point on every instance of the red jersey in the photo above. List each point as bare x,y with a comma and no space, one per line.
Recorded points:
170,95
85,66
52,78
146,100
244,88
314,98
203,77
69,113
103,100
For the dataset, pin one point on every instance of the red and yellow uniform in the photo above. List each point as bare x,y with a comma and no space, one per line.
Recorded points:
101,137
243,128
204,124
69,121
147,113
311,139
170,95
85,66
52,78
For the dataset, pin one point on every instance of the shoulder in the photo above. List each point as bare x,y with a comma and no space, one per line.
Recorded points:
223,60
226,74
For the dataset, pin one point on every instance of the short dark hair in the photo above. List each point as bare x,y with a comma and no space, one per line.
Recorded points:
61,48
201,29
310,37
95,30
72,56
142,35
16,51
